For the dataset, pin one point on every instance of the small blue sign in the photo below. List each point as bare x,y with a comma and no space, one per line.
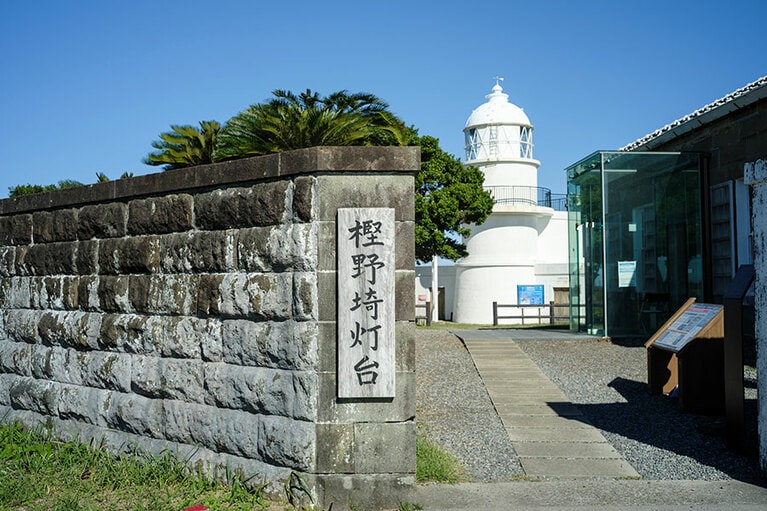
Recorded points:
530,295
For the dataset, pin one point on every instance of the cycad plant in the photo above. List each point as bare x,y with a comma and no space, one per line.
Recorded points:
185,146
290,121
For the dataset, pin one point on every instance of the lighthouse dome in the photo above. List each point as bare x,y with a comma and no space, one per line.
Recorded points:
497,110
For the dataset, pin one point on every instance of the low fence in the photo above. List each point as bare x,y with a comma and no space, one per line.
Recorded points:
538,312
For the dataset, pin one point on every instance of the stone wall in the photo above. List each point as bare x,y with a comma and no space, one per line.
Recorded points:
195,310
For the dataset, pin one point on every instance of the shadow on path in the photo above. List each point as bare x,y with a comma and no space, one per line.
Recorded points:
658,421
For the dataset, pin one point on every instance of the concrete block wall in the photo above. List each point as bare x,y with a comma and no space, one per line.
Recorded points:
195,310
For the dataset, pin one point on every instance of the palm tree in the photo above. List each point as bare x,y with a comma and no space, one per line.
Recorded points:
290,121
185,146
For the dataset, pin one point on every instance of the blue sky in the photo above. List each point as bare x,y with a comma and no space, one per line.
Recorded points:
86,86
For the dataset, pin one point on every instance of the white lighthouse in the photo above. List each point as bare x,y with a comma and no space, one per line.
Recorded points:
519,254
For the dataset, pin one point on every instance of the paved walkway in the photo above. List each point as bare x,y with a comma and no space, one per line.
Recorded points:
552,438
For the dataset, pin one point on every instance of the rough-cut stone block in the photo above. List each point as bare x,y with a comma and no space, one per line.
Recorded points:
261,205
136,414
277,248
280,345
259,296
21,325
159,215
305,298
35,395
6,382
237,433
251,389
168,378
303,198
7,261
54,293
79,330
173,294
35,260
130,255
49,363
305,391
110,371
127,333
113,294
370,191
102,221
87,257
200,252
186,337
286,442
88,293
384,448
60,258
16,230
54,226
38,293
19,293
335,448
84,404
20,265
15,357
221,430
209,294
191,424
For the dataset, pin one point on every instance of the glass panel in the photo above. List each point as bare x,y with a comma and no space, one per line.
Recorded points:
585,246
635,240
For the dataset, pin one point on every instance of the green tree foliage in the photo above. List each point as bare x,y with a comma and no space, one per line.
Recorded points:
449,197
27,189
185,146
290,121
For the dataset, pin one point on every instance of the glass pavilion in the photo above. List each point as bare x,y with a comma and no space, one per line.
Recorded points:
635,246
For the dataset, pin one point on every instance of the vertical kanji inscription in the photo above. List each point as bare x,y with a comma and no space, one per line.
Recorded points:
366,303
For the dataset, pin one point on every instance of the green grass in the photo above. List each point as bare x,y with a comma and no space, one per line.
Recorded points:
38,472
435,464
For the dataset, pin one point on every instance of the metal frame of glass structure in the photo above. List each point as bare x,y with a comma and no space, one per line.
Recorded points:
635,240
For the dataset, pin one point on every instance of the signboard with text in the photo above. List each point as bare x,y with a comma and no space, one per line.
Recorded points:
530,295
687,326
366,341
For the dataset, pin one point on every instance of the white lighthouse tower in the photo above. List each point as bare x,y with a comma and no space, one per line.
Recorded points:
523,244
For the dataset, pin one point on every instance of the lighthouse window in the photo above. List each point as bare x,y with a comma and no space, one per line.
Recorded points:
525,139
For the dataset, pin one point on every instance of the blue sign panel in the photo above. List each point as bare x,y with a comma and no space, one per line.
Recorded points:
530,295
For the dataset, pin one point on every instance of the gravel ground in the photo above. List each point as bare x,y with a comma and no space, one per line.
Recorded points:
454,409
606,380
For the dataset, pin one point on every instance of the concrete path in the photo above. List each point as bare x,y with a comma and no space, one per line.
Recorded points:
552,438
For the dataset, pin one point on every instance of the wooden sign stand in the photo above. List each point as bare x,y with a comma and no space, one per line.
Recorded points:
686,354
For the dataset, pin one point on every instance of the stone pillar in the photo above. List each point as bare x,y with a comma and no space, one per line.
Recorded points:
755,175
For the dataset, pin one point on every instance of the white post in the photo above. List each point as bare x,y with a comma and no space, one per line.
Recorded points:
434,289
755,175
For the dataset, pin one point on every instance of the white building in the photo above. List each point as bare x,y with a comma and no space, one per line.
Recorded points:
519,255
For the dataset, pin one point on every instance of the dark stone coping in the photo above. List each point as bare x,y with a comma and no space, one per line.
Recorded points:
258,168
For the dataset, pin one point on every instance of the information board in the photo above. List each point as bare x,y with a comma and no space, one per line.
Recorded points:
687,326
366,351
530,295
